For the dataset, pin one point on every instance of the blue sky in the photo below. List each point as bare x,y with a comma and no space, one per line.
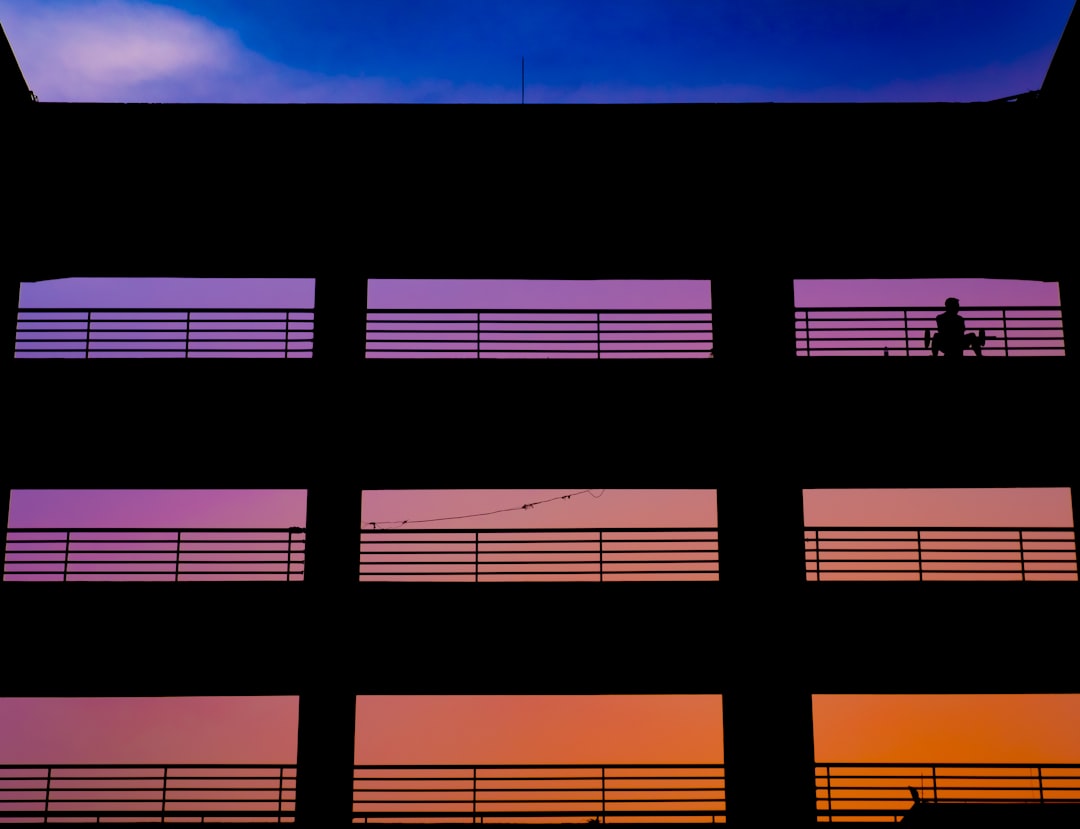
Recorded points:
607,51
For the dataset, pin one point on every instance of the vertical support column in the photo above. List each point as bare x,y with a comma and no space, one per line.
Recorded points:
340,319
768,703
1070,317
769,755
9,314
327,719
768,716
5,514
753,322
327,723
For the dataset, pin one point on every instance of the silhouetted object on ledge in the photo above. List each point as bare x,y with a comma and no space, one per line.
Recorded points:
988,815
951,337
914,794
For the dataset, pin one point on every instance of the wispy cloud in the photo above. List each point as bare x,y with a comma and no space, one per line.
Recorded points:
131,51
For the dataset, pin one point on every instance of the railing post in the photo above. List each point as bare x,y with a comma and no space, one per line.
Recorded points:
176,564
289,552
599,350
327,700
474,815
281,794
67,552
477,335
187,334
1023,564
918,552
817,553
1038,769
48,789
1005,332
603,794
828,791
933,781
476,556
164,790
88,315
907,336
601,541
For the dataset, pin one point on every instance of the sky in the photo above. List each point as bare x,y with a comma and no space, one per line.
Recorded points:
547,51
680,334
522,729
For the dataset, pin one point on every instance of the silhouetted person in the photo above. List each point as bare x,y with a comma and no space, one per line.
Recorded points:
914,794
951,337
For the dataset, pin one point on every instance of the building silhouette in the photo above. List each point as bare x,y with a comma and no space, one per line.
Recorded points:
750,197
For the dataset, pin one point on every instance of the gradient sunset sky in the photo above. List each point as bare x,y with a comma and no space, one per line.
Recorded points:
522,729
606,51
668,728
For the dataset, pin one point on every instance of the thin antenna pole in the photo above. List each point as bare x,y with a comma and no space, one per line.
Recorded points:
522,79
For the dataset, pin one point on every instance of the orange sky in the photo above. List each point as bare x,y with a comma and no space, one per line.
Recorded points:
600,729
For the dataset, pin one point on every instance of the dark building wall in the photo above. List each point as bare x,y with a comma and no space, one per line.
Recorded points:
750,197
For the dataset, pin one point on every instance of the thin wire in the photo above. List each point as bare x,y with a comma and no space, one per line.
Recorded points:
383,524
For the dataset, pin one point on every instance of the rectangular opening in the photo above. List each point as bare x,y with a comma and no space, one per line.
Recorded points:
160,759
557,758
876,753
539,319
539,535
80,535
898,318
978,534
158,317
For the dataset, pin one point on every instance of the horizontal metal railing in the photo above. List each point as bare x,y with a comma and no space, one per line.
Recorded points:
539,333
142,793
604,793
1011,331
154,554
592,554
157,332
884,791
940,553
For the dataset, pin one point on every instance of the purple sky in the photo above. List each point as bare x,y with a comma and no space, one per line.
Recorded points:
522,294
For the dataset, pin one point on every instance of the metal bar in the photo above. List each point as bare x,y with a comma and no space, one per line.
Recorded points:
1023,565
828,789
601,553
281,793
164,790
918,543
603,795
1005,331
907,336
817,552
